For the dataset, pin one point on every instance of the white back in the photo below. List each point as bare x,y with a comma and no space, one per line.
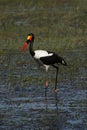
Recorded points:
41,53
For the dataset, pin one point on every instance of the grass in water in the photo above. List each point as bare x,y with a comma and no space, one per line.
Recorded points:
57,25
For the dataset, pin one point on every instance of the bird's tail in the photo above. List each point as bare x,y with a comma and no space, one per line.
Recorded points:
63,62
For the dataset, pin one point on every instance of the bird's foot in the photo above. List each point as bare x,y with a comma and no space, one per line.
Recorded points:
46,84
56,90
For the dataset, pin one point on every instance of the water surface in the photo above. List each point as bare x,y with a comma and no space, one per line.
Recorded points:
22,99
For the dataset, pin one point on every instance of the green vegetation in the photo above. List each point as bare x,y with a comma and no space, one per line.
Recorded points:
57,25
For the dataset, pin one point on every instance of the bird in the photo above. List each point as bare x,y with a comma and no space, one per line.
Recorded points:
43,57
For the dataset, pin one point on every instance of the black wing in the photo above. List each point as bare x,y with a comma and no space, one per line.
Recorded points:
52,59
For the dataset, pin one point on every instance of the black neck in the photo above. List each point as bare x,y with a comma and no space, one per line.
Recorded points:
31,49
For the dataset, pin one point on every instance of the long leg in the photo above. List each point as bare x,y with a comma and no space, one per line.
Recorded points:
56,98
57,69
46,90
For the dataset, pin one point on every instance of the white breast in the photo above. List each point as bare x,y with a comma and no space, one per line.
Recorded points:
41,53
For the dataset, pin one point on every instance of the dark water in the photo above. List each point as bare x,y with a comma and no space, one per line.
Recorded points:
22,100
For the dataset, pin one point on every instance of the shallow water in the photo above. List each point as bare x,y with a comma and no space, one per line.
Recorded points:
22,100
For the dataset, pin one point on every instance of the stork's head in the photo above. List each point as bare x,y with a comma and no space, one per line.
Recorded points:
30,39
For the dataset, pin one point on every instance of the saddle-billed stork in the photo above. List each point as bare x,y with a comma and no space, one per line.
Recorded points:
46,58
